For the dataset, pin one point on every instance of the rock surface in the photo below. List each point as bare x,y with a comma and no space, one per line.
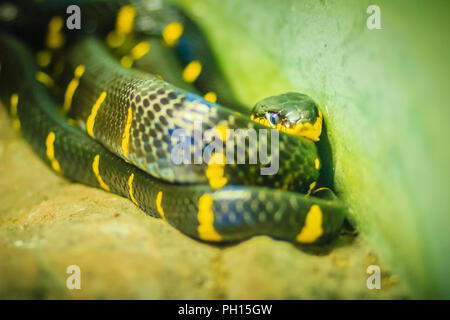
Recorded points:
48,223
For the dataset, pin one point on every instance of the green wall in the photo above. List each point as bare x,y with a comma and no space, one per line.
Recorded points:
385,95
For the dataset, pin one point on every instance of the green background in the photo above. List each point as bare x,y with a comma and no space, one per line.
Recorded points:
385,97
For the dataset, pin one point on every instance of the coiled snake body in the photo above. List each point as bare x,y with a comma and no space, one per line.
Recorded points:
129,118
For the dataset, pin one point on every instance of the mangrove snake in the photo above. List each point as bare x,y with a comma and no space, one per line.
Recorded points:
129,118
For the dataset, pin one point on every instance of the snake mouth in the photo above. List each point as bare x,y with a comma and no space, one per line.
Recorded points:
308,130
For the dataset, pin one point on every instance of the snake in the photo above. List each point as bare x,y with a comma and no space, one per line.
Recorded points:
115,131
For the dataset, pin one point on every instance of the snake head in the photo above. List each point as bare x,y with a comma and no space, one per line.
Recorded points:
291,112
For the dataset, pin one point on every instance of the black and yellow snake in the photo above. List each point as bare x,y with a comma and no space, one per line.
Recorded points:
120,137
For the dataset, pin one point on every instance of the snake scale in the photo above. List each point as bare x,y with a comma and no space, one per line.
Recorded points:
116,128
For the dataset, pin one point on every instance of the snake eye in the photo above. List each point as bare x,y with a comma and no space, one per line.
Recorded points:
273,118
